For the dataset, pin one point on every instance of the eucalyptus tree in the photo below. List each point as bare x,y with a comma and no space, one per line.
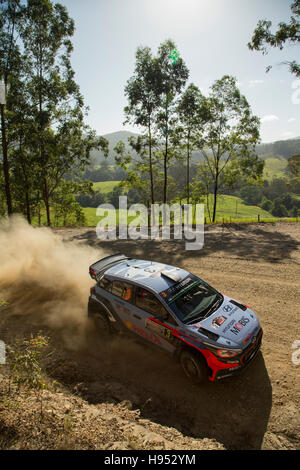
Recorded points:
229,137
60,139
173,75
23,165
286,33
192,114
143,94
137,171
11,16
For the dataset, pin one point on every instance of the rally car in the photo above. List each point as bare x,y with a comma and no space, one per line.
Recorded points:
212,335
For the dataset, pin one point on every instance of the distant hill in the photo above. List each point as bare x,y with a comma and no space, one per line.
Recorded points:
281,149
113,138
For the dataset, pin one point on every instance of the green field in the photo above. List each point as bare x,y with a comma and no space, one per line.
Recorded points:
105,186
228,208
274,168
234,207
92,219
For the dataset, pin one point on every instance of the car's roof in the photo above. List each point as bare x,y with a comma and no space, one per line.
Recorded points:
157,276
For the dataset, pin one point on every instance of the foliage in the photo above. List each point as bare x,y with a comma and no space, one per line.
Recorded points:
25,370
228,137
293,167
286,33
46,137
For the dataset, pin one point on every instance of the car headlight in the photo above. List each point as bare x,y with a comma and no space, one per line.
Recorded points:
222,352
228,352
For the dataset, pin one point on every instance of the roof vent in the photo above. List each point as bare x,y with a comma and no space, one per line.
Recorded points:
171,275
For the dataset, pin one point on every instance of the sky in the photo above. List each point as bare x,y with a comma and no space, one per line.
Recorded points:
211,37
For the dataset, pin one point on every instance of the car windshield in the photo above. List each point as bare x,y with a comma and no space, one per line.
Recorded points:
196,303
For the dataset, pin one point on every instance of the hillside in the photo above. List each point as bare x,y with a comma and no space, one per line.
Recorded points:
282,149
274,168
70,422
228,207
113,138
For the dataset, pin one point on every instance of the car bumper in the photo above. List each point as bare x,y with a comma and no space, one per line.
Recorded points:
220,370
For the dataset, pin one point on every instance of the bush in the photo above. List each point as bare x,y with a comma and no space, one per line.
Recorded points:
294,212
91,200
266,205
251,194
25,370
278,209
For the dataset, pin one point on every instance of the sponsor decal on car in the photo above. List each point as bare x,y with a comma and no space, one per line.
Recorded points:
227,308
218,321
239,325
176,290
228,326
146,335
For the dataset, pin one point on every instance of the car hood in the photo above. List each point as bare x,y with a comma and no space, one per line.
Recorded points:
231,325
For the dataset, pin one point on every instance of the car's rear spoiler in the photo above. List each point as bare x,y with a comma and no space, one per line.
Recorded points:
97,269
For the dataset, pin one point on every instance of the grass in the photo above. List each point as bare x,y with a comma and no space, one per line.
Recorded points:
233,207
105,186
228,207
274,168
92,219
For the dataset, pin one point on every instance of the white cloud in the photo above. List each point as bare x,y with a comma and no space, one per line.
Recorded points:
269,118
292,120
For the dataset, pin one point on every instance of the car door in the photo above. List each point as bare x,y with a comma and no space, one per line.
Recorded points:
121,300
148,313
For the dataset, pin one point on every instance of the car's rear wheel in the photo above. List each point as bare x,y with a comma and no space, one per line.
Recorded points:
193,366
102,323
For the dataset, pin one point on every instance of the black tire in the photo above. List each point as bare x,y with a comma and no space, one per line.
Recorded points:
194,366
102,323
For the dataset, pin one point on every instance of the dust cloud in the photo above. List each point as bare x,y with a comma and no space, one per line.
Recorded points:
45,278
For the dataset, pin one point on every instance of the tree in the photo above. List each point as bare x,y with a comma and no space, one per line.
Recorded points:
11,15
229,137
293,167
172,78
136,174
191,109
286,33
66,209
278,209
60,140
266,205
143,94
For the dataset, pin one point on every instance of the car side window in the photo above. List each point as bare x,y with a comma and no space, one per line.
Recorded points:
105,284
169,319
148,302
122,289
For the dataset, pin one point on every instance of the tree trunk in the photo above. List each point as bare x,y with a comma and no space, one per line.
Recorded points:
166,153
165,171
188,169
5,162
150,164
215,198
28,214
46,201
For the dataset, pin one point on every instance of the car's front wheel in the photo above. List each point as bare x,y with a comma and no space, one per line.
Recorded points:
193,366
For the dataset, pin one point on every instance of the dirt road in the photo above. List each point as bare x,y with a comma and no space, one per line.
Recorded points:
258,264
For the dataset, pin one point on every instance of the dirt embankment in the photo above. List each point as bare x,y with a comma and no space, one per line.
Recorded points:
132,389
